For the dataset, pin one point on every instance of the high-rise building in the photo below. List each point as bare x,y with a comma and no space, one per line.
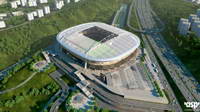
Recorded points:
76,0
198,12
13,4
2,24
30,16
197,31
35,14
59,4
23,2
67,1
32,3
193,17
40,13
43,1
194,25
46,10
184,26
18,2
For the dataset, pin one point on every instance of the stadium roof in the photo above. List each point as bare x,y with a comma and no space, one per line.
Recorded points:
98,41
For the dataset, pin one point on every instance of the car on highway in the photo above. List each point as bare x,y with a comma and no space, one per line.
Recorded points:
153,65
155,70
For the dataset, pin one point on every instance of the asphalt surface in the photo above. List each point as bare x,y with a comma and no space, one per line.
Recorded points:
109,98
181,76
65,88
51,100
173,101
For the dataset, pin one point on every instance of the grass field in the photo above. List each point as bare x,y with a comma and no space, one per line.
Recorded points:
170,13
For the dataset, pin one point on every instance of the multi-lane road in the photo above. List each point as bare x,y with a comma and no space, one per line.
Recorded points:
173,100
181,76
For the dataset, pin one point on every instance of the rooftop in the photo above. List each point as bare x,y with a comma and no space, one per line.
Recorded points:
98,41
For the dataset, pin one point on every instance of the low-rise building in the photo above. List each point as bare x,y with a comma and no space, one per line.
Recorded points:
40,13
46,10
17,13
30,16
2,24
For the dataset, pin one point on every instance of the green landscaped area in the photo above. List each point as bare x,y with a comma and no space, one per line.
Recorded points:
24,40
33,104
68,80
17,78
187,48
133,18
30,103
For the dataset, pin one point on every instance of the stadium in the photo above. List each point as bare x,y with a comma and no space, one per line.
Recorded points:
98,44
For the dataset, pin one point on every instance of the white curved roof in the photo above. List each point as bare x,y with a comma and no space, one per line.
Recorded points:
113,49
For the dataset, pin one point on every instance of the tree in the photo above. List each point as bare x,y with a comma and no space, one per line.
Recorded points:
9,103
19,99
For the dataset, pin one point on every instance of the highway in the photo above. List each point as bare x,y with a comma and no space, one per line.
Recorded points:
173,100
181,76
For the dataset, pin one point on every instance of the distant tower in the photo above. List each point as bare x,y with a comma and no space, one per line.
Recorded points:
183,26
